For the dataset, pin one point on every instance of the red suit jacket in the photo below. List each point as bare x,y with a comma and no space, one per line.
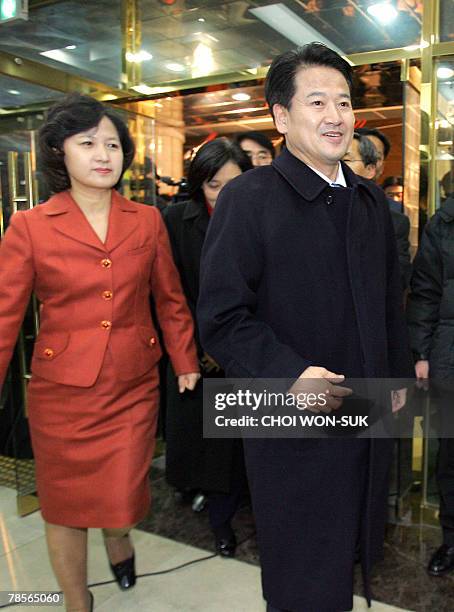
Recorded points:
93,295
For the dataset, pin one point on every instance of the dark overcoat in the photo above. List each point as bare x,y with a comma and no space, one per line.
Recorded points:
431,301
191,461
285,283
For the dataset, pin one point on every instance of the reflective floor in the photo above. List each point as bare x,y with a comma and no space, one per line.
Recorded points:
214,585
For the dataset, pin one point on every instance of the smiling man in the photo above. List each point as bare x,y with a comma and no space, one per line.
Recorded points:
300,280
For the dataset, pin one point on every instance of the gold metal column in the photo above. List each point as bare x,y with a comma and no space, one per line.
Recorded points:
24,198
430,35
131,27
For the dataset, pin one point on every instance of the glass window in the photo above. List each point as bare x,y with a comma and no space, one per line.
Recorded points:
444,126
446,20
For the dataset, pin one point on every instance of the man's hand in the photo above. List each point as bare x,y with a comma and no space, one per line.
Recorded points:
422,374
398,399
187,381
323,383
209,364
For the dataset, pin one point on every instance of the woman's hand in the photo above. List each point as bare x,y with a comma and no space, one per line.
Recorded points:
187,381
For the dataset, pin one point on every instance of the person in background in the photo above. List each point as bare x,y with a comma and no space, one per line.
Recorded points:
447,183
362,158
382,145
92,257
393,186
300,280
215,467
257,147
430,314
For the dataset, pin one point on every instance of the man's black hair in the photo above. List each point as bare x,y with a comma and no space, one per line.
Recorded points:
257,137
392,181
209,159
73,114
280,81
374,132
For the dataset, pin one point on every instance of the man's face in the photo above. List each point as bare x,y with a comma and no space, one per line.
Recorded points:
353,159
381,155
395,192
318,126
259,156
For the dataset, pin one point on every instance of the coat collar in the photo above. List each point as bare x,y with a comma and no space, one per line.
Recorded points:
307,182
70,220
196,211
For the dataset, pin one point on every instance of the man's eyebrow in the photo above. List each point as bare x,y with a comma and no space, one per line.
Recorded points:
323,94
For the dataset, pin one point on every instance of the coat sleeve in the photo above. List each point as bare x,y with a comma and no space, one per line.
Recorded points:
233,261
401,225
399,354
173,314
426,291
17,277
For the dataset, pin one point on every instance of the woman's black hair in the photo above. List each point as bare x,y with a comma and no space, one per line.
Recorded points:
259,138
73,114
280,80
209,160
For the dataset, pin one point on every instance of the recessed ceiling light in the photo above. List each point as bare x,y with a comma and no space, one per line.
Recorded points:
175,67
144,89
383,12
139,57
241,96
70,47
13,92
444,123
444,72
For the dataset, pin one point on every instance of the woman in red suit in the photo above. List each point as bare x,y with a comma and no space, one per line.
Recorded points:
93,258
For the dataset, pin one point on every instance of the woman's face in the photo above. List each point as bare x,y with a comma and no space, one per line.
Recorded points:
225,174
94,158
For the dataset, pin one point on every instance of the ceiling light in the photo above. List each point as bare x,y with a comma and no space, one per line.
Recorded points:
143,89
444,72
203,62
444,124
13,92
383,12
201,19
292,27
175,67
71,47
139,57
241,96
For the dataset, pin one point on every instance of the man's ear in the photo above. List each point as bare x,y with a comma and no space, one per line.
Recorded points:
370,171
280,118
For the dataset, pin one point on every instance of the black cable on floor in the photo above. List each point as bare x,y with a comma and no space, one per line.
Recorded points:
167,571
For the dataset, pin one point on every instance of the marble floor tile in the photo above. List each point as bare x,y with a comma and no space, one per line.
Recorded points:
203,587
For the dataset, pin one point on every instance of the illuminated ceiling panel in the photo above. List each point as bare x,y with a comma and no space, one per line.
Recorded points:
238,34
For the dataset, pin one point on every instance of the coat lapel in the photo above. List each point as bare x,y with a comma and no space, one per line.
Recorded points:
123,221
69,220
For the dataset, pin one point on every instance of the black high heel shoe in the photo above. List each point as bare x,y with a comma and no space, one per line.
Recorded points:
125,573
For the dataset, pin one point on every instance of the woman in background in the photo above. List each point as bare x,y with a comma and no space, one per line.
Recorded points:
92,257
214,466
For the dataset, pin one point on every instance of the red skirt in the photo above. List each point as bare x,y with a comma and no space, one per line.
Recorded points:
93,448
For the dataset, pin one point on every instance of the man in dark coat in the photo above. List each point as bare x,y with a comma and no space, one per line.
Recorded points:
431,324
300,279
362,157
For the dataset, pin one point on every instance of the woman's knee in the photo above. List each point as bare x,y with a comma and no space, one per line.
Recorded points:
118,532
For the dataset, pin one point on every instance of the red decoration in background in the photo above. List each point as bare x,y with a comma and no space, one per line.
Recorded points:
360,123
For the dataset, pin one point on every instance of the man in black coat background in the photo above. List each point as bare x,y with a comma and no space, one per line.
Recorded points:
300,280
362,158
